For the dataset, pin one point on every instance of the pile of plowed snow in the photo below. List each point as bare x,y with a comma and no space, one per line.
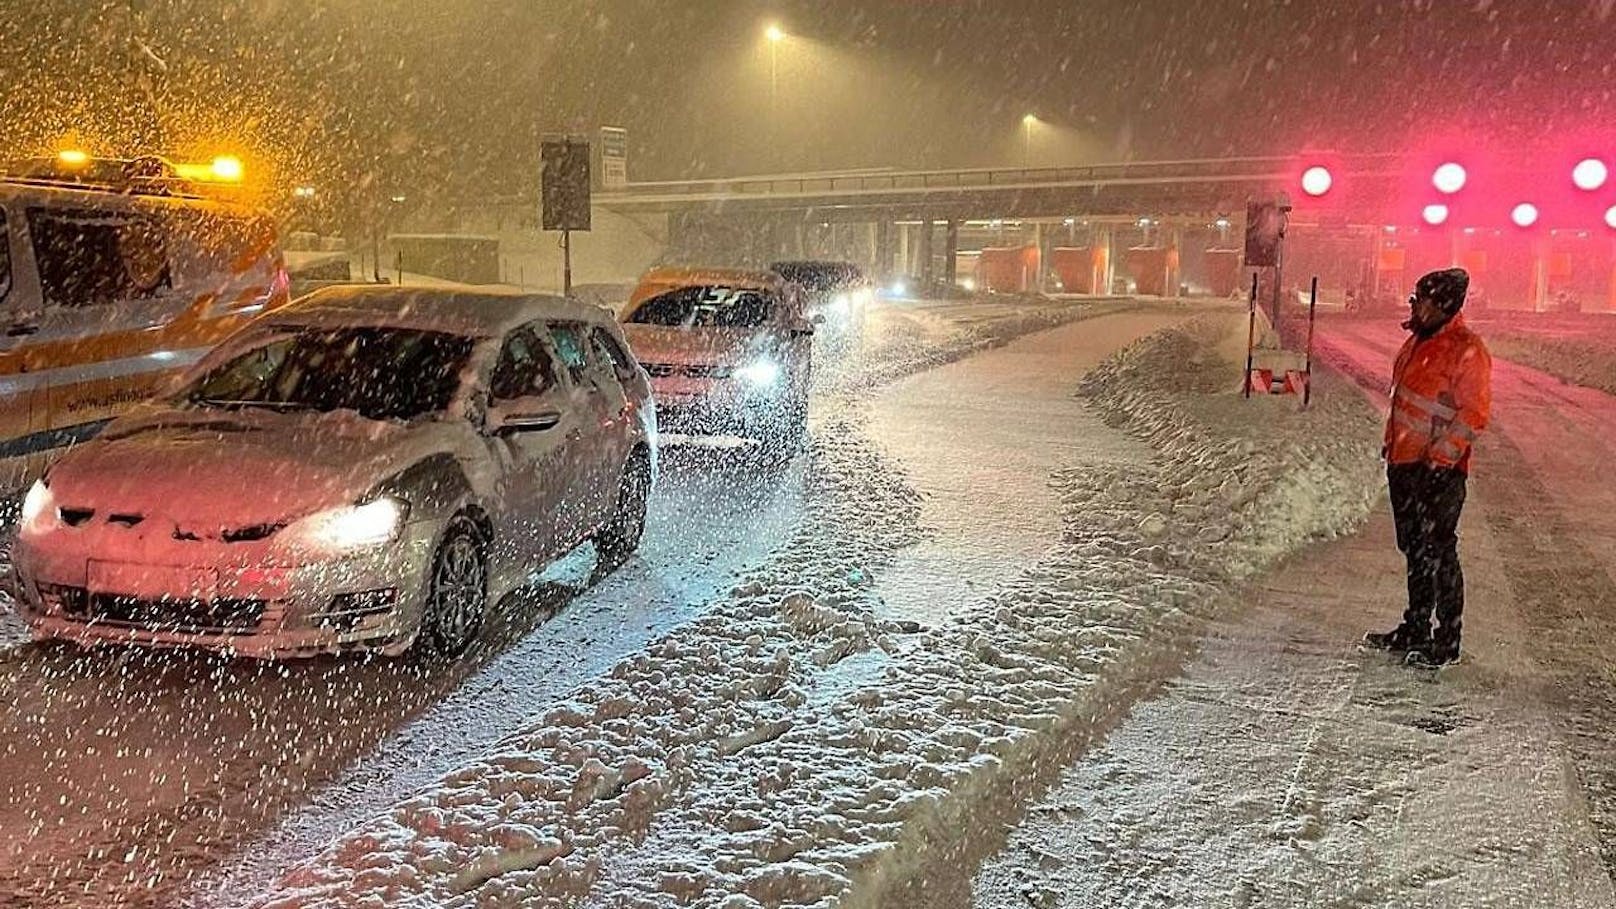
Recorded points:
789,749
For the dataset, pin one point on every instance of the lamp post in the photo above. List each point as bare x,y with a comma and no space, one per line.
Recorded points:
1027,123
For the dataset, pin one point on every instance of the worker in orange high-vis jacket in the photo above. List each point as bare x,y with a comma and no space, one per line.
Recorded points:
1441,396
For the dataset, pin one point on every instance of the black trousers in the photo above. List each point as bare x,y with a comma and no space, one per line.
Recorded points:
1426,502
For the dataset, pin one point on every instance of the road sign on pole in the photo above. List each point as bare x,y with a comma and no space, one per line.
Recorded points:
565,183
613,157
565,194
1265,228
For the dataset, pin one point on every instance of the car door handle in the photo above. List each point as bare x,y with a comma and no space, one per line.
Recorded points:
20,329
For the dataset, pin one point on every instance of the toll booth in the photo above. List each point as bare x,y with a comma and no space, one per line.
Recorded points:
1154,270
1222,270
1007,269
1081,269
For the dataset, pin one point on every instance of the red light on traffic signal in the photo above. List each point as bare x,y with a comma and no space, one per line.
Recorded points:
1449,178
1524,214
1316,180
1589,174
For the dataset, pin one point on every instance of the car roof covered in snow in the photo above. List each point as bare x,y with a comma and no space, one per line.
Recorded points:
471,311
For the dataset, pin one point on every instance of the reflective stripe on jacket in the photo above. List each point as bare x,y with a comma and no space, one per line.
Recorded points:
1441,398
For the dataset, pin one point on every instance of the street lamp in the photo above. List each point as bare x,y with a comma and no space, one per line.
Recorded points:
1027,123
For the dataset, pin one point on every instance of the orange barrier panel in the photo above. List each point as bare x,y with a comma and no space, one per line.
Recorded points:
1150,267
1081,269
1007,269
1222,271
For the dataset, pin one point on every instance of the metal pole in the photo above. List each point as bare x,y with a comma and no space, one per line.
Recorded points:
1251,336
1307,368
566,263
398,266
774,100
1026,151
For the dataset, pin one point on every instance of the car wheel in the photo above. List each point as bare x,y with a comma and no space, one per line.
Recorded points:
457,591
621,535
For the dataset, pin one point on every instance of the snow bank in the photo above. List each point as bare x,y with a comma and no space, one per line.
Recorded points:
789,749
1588,361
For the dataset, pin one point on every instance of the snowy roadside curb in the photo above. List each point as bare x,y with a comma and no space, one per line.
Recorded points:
790,750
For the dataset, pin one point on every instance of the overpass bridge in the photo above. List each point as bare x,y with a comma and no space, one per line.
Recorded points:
1198,189
1146,224
916,223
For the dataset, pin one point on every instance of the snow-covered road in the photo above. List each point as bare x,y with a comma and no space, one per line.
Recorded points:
1285,768
982,438
132,763
123,775
792,748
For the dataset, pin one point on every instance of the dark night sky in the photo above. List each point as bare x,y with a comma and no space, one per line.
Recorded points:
457,91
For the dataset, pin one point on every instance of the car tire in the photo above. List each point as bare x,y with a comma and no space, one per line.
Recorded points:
456,591
622,533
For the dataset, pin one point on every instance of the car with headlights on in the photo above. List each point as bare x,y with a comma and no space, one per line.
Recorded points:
729,352
366,468
836,295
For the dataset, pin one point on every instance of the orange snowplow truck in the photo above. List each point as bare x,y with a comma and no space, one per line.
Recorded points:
115,275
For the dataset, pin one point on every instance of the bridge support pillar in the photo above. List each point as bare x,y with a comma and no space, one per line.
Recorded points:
1100,237
1540,274
928,268
1036,283
1175,265
883,248
951,253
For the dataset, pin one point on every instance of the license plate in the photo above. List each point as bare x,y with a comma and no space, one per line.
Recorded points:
151,582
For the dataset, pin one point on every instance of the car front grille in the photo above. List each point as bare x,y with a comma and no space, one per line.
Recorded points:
708,371
693,370
181,615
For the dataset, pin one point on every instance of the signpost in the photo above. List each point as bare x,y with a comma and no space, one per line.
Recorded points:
613,157
565,194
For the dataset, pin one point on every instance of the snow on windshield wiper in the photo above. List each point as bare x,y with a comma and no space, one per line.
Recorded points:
231,404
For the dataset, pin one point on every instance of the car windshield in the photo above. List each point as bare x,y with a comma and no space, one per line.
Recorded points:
382,373
706,306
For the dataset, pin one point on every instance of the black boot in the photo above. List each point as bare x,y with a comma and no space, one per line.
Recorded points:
1439,652
1399,640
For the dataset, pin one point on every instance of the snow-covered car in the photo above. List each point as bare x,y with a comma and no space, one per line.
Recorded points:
728,352
367,468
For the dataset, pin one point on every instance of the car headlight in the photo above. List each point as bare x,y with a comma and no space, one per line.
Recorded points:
354,526
38,503
759,373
